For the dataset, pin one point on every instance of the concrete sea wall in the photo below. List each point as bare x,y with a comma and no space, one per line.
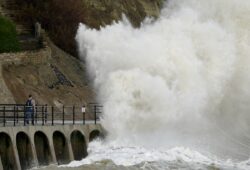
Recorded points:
25,147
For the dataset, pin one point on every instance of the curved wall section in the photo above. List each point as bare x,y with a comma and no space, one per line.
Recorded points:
61,148
42,148
79,146
7,153
24,150
94,134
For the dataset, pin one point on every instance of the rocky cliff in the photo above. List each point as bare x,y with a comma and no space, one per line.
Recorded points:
61,79
102,12
60,18
53,77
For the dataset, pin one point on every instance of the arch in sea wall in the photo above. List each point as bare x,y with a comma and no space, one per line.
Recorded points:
7,152
43,150
78,144
61,148
24,149
94,134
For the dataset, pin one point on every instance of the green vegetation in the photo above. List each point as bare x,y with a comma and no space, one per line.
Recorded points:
8,36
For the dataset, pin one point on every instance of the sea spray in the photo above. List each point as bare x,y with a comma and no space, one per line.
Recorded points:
182,80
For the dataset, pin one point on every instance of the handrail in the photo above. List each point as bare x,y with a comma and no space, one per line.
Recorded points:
20,114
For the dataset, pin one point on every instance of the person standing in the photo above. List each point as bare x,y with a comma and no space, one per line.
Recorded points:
30,110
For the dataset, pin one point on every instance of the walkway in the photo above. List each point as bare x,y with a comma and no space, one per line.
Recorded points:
44,115
53,135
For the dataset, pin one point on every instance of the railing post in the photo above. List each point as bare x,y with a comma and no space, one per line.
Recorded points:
4,116
83,114
32,114
42,115
95,113
17,113
24,115
46,113
63,115
36,115
73,115
52,109
14,115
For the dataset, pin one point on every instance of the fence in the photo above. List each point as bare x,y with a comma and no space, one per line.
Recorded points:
22,115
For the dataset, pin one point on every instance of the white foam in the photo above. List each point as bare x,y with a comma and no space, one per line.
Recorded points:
132,155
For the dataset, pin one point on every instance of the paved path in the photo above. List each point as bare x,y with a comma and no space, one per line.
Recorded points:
49,123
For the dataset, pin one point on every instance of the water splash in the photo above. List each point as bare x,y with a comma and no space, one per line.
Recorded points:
182,80
139,158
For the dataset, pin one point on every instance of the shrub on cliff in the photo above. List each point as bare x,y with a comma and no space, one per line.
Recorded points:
8,36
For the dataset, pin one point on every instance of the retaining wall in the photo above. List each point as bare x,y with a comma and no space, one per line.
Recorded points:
26,57
16,135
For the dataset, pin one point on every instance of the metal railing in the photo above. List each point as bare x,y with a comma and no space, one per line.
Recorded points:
22,115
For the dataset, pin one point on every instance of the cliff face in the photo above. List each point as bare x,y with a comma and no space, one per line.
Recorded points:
58,80
60,18
105,11
62,79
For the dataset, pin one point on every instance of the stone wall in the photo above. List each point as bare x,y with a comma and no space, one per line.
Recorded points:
39,56
27,57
